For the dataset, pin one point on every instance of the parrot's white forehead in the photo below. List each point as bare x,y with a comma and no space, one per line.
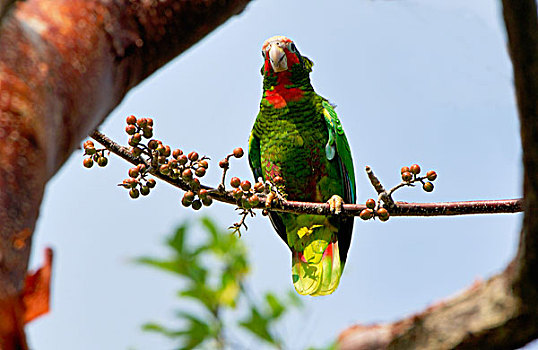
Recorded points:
276,38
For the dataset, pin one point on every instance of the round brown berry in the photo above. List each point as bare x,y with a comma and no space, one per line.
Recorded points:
407,176
144,190
383,214
404,169
90,151
415,169
366,214
136,151
130,183
131,119
431,175
203,163
186,174
164,169
245,185
130,129
370,203
189,195
102,161
254,200
196,204
238,152
428,187
237,193
195,184
224,164
167,151
133,172
176,153
182,159
134,193
88,144
203,193
235,182
141,168
88,162
147,132
259,187
193,156
153,144
151,183
200,172
142,123
185,202
207,201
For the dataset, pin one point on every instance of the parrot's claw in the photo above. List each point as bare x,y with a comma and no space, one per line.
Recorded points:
335,204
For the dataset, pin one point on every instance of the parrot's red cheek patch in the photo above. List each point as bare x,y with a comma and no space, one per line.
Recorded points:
280,96
276,100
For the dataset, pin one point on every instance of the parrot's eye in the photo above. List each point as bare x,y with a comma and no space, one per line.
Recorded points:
292,48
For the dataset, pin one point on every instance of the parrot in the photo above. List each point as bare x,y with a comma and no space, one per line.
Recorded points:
298,144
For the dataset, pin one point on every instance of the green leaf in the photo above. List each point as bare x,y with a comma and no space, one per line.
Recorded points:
177,241
259,326
203,294
275,305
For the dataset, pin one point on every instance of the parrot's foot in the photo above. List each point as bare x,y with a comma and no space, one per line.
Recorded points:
273,194
335,204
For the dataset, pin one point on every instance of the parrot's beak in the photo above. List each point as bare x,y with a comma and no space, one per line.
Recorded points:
278,59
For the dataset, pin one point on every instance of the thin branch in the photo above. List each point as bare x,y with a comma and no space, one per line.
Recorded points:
399,208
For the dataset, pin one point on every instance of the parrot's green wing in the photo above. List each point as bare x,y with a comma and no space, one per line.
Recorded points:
337,146
254,160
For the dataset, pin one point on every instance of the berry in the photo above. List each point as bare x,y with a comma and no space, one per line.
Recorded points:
142,123
415,169
245,185
370,203
151,183
203,194
431,175
259,187
383,214
203,163
141,168
405,169
130,129
150,121
90,150
193,156
130,183
207,201
88,144
196,205
176,153
147,132
238,152
407,176
189,195
428,187
182,159
134,193
235,182
164,169
136,151
200,172
88,162
237,193
167,151
195,185
366,214
102,161
254,200
245,203
131,119
224,164
153,144
160,148
144,190
185,202
133,172
187,174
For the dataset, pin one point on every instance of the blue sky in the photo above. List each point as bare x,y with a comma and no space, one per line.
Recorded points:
414,81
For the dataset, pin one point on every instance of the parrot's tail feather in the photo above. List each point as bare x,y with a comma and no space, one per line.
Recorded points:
319,273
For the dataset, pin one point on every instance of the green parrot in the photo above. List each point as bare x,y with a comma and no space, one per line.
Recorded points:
298,140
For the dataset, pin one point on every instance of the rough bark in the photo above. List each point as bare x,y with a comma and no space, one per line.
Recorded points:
501,313
64,65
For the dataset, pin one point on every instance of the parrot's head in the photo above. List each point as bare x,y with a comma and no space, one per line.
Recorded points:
281,55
